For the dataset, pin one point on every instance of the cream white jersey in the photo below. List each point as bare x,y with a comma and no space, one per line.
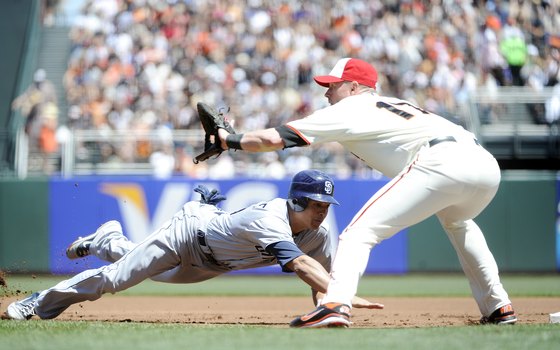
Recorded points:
437,168
384,132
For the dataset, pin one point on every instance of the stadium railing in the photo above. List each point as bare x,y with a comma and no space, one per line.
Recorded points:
509,122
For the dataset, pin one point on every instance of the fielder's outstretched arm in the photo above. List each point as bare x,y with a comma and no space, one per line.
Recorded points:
264,140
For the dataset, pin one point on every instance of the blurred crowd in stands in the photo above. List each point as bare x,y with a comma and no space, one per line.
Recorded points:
39,105
142,65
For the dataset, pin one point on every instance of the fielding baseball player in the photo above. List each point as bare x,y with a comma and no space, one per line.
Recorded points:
436,167
201,242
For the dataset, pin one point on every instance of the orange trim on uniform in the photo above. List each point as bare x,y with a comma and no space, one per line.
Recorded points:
298,133
396,182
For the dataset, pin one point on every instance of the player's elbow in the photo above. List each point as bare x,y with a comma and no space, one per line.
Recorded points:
299,265
272,143
263,141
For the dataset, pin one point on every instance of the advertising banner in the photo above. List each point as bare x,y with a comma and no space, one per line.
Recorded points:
80,205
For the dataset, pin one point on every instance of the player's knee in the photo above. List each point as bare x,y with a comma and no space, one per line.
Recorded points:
366,235
455,227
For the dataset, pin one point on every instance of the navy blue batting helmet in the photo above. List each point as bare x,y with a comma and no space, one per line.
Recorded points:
310,184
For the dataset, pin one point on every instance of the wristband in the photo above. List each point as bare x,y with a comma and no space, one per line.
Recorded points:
233,141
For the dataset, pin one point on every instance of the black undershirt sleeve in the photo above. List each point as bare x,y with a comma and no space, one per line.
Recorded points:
290,137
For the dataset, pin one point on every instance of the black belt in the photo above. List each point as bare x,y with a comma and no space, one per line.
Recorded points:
441,139
201,237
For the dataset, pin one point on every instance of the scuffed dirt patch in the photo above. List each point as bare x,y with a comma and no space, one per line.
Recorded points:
279,311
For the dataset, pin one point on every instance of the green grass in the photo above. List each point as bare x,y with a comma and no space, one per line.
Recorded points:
37,334
124,336
288,285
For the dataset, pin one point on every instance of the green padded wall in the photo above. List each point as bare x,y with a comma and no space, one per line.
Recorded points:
519,226
24,226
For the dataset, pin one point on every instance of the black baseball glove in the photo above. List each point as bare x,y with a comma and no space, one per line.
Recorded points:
211,120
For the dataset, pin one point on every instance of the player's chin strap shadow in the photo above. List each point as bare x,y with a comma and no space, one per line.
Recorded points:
212,197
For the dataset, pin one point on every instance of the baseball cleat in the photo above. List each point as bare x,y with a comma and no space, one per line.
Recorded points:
503,315
23,309
327,315
80,247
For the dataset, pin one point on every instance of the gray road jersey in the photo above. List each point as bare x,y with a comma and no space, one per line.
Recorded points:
239,239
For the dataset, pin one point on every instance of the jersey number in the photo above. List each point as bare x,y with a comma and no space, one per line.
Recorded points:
398,111
240,210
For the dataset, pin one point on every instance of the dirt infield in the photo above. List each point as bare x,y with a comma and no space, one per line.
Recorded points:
278,312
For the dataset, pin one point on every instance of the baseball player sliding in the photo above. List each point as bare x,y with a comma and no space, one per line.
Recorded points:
436,167
201,242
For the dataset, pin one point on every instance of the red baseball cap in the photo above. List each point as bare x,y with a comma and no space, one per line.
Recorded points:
349,69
